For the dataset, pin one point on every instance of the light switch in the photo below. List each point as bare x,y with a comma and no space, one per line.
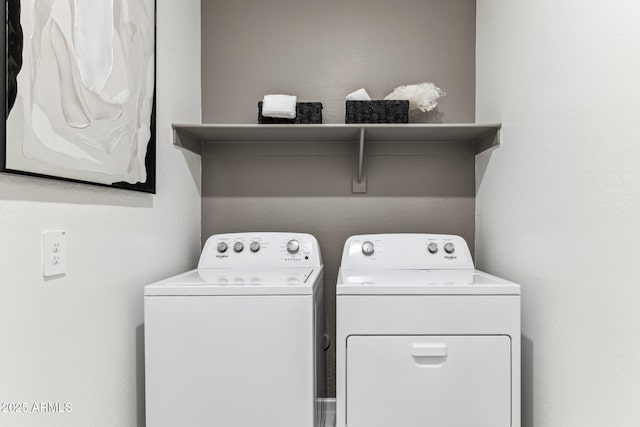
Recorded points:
54,253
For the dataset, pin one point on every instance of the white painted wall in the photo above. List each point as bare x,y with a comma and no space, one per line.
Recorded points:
79,339
558,204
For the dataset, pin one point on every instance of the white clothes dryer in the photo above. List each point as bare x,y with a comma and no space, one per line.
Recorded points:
236,342
424,339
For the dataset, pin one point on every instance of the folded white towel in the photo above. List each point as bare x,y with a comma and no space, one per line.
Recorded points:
359,95
279,106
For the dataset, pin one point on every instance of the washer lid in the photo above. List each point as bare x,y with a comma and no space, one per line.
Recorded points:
422,282
222,281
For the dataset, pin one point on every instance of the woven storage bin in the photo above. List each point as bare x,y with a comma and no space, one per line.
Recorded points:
377,112
307,113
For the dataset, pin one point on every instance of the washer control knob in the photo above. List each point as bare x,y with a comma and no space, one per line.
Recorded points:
433,248
293,246
255,246
367,248
222,247
238,247
449,248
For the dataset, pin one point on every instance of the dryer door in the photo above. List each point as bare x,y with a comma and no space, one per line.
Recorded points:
435,381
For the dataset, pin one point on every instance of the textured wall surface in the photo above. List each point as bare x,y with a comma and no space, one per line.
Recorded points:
79,339
321,51
558,204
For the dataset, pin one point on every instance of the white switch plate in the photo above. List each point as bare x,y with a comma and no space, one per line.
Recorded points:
54,253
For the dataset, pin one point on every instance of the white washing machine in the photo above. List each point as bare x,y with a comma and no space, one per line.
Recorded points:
424,339
236,342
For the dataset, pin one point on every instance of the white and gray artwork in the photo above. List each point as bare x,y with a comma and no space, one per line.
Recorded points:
80,90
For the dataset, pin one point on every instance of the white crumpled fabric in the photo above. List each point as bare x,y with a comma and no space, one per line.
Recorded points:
421,96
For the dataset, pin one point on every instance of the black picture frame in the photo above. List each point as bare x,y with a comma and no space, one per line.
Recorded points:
149,186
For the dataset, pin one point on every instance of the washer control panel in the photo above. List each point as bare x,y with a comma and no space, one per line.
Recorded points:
237,250
407,251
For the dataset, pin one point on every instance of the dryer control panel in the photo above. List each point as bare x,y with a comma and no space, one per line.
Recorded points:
407,251
246,250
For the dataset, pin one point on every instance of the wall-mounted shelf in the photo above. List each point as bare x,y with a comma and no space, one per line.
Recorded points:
483,136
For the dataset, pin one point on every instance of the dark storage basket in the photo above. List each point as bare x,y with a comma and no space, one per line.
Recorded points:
307,113
377,112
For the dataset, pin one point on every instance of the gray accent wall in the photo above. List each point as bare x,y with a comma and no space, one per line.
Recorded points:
321,51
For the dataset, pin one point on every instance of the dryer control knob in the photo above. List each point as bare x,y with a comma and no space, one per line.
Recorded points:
238,247
449,248
293,246
222,247
255,246
367,248
433,248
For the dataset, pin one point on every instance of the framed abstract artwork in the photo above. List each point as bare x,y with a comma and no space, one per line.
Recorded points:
80,91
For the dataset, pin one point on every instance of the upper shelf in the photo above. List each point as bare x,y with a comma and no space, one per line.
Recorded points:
192,136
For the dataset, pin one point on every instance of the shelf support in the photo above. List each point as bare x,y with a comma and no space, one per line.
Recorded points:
359,177
487,141
186,141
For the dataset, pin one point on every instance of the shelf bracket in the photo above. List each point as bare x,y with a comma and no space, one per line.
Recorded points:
487,141
186,141
359,177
